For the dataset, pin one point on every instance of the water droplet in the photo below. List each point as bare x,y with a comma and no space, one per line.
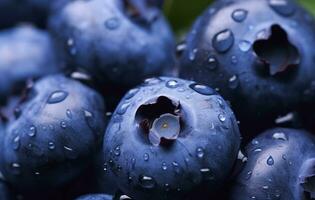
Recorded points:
233,82
212,63
284,157
51,145
63,124
147,182
164,166
180,48
176,167
172,84
258,150
248,175
112,23
69,113
123,108
270,160
32,131
70,42
57,97
239,15
234,60
16,143
282,7
200,152
146,157
265,187
117,151
202,89
280,136
192,54
131,93
206,174
255,142
244,45
223,41
152,81
222,117
16,167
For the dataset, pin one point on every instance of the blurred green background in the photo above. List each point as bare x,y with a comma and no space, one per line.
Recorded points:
182,13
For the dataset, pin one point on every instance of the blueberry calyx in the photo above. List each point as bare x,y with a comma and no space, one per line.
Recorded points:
144,12
160,119
276,52
307,179
167,127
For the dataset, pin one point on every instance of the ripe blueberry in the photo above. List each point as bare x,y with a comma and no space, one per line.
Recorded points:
169,137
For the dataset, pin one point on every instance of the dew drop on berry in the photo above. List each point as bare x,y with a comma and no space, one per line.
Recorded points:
146,157
270,160
223,41
283,7
202,89
123,108
16,143
192,54
16,168
63,124
222,117
112,23
200,152
147,182
131,93
51,145
206,174
69,114
32,131
117,151
172,84
164,166
57,97
239,15
279,136
244,45
212,63
233,82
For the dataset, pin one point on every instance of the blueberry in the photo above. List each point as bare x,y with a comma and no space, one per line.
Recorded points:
54,138
25,53
261,60
280,165
15,11
95,197
170,136
120,42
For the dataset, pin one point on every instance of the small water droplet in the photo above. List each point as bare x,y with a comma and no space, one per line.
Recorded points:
180,48
63,124
16,143
117,151
234,60
192,54
270,160
233,82
57,97
212,63
16,167
152,81
176,167
202,89
69,113
265,187
239,15
279,136
255,142
222,117
131,93
200,152
147,182
223,41
244,45
172,84
248,175
258,150
32,131
282,7
164,166
123,108
112,23
206,174
51,145
146,157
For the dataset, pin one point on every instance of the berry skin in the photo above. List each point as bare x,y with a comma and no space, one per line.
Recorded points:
120,42
280,166
55,136
25,53
96,197
169,137
259,59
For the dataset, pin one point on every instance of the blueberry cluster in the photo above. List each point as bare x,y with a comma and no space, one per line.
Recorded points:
98,103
